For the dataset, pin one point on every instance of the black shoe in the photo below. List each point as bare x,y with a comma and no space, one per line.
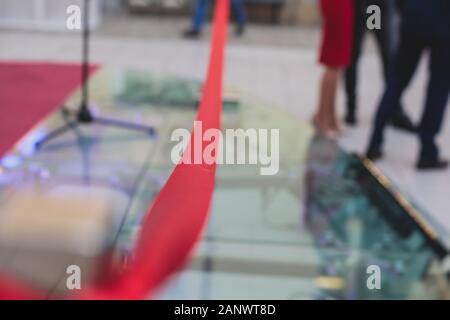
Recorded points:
240,30
403,122
191,34
350,119
374,154
432,164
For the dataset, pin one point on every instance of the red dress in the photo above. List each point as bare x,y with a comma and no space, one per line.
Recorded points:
337,32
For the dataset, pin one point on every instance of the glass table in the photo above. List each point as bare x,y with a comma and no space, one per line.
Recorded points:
315,230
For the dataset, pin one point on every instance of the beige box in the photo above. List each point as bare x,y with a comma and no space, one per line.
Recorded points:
43,232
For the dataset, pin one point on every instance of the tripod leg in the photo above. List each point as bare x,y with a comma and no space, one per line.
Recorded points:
55,133
125,125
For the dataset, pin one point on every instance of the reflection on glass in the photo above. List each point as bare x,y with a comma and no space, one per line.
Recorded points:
309,232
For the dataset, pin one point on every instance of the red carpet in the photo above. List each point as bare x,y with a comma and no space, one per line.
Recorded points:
29,92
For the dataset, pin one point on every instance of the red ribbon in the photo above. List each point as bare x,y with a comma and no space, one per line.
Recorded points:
175,222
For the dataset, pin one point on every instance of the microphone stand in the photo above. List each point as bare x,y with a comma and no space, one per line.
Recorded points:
84,114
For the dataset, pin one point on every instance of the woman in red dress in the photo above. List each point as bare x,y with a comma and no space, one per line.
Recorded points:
335,54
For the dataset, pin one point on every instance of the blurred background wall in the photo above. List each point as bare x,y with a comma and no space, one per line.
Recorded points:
50,14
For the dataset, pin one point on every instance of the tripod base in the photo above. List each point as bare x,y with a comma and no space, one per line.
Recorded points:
84,116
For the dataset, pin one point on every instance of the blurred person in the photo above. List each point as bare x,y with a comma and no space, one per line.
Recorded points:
335,54
385,38
425,26
199,13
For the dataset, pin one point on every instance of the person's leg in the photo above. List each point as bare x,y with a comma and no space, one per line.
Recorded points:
404,66
199,14
239,13
323,119
335,53
198,18
385,44
359,29
436,102
384,36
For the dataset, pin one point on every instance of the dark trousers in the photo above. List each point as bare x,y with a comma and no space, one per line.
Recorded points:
412,45
198,18
385,39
